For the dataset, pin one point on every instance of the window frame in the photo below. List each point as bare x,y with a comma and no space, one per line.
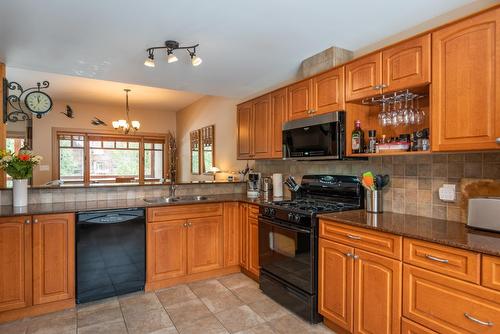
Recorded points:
90,134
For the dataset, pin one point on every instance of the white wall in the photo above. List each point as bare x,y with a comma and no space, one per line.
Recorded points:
209,110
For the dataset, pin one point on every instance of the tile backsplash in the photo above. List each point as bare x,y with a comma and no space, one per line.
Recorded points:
415,179
65,195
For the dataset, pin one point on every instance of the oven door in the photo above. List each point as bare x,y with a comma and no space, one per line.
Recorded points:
287,252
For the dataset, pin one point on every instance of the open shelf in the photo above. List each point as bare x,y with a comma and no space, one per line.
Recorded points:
367,155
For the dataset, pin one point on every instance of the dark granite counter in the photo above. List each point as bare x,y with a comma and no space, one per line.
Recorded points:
444,232
37,209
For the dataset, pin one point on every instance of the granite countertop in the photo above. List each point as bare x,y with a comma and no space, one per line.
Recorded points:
444,232
37,209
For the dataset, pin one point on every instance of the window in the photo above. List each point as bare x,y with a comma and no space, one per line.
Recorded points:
103,158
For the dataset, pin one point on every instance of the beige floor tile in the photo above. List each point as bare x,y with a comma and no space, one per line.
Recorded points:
108,327
250,294
139,302
207,325
174,295
98,304
260,329
290,324
99,313
238,319
268,309
63,322
235,281
186,312
15,327
147,321
205,288
221,301
170,330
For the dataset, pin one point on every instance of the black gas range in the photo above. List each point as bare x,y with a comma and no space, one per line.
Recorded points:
288,239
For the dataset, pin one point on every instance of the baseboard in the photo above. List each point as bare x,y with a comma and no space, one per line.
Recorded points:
337,329
151,286
35,310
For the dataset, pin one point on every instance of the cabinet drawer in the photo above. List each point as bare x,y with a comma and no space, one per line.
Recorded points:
378,242
410,327
450,261
449,305
175,212
253,211
491,272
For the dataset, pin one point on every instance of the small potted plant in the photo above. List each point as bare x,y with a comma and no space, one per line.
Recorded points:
20,167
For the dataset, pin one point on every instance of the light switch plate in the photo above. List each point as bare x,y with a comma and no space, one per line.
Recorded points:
44,168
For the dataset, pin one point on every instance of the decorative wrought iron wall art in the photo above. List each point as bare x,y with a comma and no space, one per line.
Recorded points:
24,103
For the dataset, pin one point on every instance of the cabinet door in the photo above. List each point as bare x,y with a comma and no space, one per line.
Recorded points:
205,244
466,85
231,233
244,236
279,114
166,250
300,99
328,91
377,294
15,263
53,258
363,76
407,64
262,127
335,264
253,251
244,120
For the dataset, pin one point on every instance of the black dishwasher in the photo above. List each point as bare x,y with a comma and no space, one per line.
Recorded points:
110,253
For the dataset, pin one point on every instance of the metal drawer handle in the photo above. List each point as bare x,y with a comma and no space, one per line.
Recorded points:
377,87
433,258
498,140
355,237
484,323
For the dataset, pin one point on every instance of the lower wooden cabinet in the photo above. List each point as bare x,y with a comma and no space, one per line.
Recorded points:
243,237
410,327
15,263
253,251
231,233
359,291
37,264
53,258
205,244
249,239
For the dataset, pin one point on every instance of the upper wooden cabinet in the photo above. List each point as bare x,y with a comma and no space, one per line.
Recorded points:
15,263
407,64
364,77
253,115
279,114
328,91
300,99
245,128
53,258
466,85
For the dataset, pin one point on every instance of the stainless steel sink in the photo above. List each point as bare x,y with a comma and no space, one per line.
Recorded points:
163,199
194,198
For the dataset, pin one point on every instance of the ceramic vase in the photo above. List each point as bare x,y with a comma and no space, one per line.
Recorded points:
20,192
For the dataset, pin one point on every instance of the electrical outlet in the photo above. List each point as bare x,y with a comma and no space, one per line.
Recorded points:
447,193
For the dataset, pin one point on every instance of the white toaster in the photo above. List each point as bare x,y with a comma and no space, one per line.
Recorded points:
484,213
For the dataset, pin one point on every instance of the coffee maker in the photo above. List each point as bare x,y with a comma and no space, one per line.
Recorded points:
253,184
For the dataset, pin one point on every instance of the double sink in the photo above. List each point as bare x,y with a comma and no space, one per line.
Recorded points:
168,199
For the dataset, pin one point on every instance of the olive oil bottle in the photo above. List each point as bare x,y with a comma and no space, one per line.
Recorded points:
358,139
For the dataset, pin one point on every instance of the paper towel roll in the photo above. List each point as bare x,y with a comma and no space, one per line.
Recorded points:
277,185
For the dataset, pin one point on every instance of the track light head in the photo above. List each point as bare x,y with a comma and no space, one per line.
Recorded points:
150,61
171,58
195,60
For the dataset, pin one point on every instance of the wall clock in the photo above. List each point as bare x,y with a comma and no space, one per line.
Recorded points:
24,103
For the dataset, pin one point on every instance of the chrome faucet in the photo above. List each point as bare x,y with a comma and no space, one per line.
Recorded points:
171,189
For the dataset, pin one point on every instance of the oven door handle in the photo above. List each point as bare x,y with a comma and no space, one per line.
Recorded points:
283,226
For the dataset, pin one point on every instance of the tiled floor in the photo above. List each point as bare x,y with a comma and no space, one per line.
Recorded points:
230,304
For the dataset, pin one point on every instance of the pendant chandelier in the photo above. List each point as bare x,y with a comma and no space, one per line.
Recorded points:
125,125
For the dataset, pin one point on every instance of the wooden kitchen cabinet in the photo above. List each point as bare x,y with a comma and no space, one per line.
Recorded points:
253,252
466,85
262,128
335,264
245,130
300,99
328,91
410,327
53,258
231,233
166,250
377,293
249,239
243,238
364,77
205,244
15,263
407,64
279,114
491,272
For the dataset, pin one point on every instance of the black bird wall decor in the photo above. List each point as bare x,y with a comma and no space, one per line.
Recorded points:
68,113
96,121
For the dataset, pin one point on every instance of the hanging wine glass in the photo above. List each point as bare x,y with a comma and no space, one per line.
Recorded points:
381,115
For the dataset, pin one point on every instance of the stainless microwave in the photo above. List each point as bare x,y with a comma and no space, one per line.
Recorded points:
319,137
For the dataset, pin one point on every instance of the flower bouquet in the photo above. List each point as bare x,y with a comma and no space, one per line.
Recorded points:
20,167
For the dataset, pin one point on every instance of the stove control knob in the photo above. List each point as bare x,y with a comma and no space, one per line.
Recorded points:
290,216
272,212
296,219
267,211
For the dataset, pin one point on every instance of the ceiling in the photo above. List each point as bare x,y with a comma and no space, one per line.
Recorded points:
77,89
246,46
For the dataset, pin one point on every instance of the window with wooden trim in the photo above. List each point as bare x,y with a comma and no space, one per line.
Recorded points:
106,158
194,137
207,147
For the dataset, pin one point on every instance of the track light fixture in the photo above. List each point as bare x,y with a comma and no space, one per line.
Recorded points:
170,46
